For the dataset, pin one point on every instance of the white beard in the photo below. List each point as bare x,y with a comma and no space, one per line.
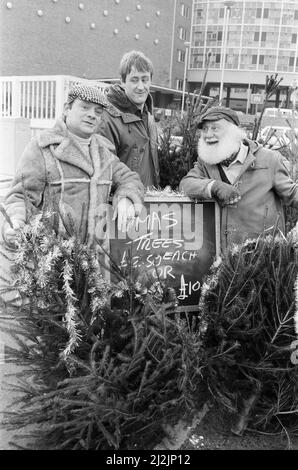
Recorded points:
223,149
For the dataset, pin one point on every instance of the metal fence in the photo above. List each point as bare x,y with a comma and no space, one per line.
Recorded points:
38,98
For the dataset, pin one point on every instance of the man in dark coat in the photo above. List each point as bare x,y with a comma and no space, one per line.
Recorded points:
250,183
129,123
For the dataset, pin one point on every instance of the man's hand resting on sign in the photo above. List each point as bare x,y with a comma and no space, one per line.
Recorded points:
125,210
224,193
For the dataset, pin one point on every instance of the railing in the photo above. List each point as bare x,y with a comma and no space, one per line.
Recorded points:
6,97
38,98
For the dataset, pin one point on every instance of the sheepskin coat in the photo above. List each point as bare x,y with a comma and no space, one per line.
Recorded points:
55,171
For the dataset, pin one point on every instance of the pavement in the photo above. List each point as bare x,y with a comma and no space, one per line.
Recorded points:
7,375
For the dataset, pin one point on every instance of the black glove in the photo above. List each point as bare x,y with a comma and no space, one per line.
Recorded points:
224,193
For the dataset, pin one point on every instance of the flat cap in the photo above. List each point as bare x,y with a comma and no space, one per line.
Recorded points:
219,112
87,93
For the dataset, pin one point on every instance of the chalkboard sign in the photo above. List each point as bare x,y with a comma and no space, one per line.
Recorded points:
175,241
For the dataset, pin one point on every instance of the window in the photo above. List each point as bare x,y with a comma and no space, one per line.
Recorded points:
296,15
261,60
254,59
217,58
197,60
198,38
266,13
238,91
256,36
259,12
181,56
221,12
179,84
182,33
263,37
199,13
211,36
291,61
219,35
184,10
236,12
294,38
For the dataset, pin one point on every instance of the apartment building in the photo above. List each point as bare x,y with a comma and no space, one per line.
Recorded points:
259,38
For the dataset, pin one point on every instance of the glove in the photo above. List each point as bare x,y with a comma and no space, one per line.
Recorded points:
224,193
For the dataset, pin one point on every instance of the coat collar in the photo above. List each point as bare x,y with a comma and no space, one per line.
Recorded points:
120,106
127,118
253,147
66,149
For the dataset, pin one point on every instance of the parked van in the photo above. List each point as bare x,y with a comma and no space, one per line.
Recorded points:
280,112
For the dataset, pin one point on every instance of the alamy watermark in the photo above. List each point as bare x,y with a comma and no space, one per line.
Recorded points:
160,222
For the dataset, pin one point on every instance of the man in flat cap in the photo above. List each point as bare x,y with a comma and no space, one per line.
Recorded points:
71,168
249,182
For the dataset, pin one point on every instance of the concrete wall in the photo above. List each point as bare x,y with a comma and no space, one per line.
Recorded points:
178,67
46,45
14,136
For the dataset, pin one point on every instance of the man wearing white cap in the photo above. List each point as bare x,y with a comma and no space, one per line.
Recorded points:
71,168
249,181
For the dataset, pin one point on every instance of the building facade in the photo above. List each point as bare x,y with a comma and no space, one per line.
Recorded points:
87,39
259,38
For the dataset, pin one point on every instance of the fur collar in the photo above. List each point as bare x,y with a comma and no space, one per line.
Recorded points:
66,149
